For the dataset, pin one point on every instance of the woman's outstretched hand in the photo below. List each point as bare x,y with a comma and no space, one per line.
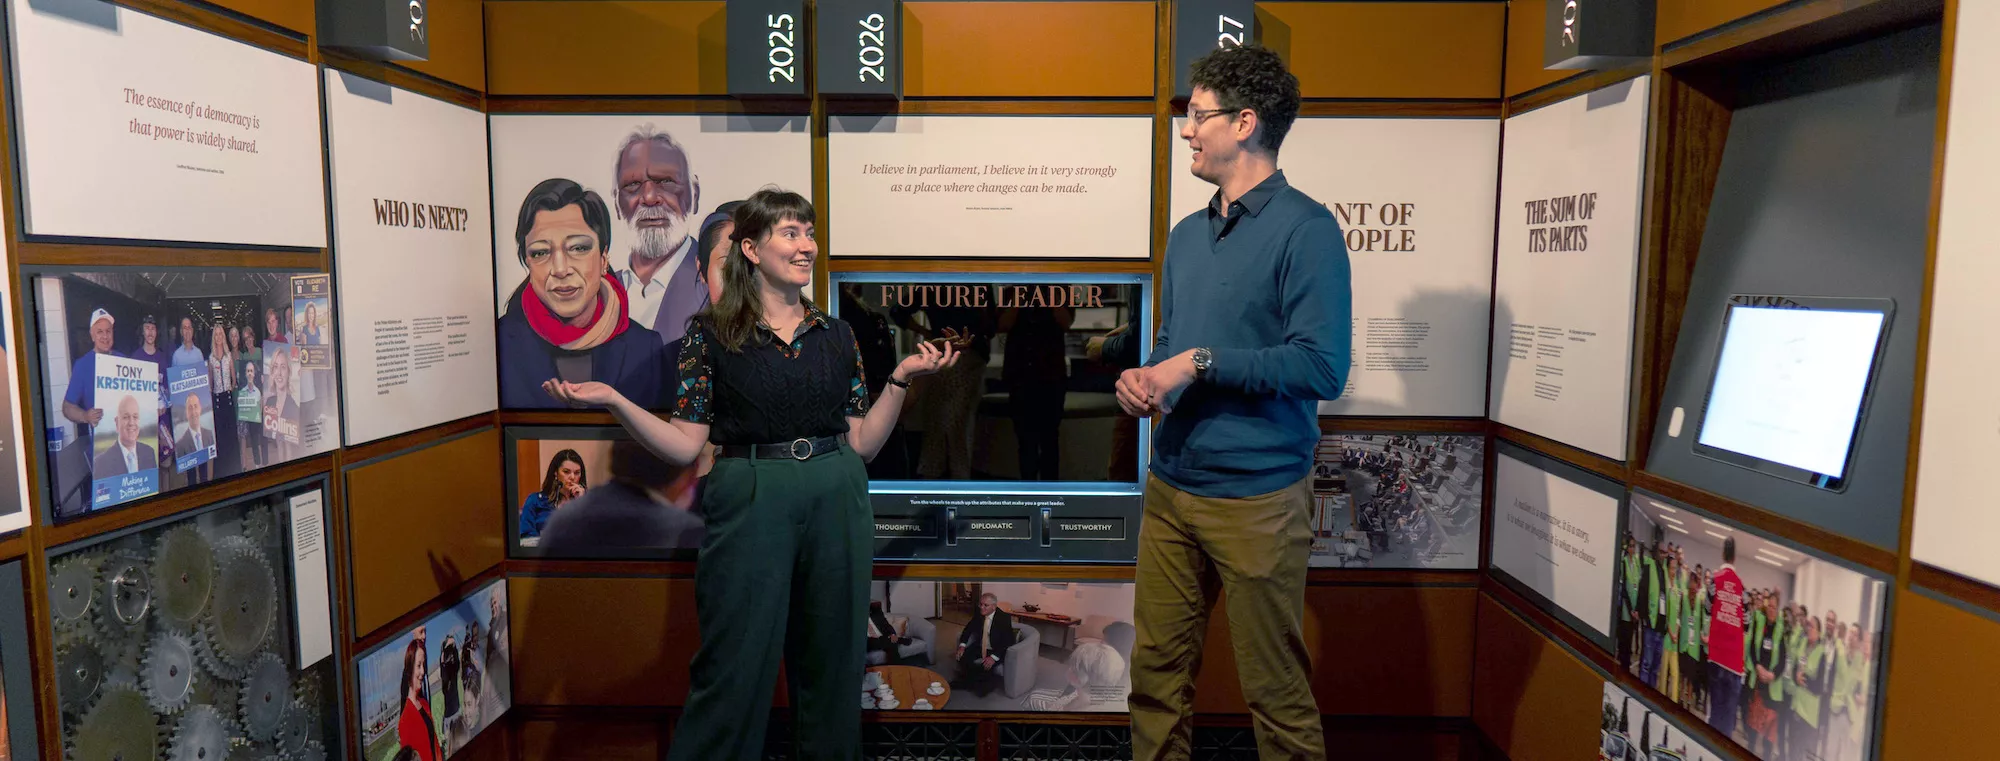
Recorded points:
580,394
928,359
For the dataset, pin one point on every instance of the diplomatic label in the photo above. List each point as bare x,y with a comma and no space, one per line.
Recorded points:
905,527
1087,529
993,528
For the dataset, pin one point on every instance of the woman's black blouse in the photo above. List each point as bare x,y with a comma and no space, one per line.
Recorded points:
773,392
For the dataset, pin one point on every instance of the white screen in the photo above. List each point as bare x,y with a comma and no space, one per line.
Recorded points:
1788,386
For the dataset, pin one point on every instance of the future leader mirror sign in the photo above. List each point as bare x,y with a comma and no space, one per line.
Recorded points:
1597,34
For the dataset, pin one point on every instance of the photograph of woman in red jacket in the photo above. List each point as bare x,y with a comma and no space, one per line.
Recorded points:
415,728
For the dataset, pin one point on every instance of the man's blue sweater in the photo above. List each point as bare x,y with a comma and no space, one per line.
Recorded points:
1265,289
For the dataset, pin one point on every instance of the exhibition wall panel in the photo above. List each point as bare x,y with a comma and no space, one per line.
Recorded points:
1946,660
1367,50
408,172
14,399
221,137
1554,537
1073,49
670,48
1414,198
1953,515
458,43
463,654
1564,292
1532,697
404,556
640,635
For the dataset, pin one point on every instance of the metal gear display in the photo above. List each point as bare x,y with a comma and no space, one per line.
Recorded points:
267,694
127,597
184,574
120,727
202,735
298,728
169,672
314,751
79,675
72,589
246,601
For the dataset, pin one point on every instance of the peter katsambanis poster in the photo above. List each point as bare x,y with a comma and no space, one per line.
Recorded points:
194,420
603,225
126,461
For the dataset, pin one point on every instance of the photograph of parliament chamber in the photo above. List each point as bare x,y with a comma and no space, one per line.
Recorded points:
1665,430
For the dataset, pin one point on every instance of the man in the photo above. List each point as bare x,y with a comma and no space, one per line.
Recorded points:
1628,610
129,455
149,350
80,399
1653,617
195,434
657,197
1245,367
883,637
645,506
448,673
570,318
982,646
1811,676
186,353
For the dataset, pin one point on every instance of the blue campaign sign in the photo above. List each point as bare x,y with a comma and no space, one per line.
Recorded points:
194,421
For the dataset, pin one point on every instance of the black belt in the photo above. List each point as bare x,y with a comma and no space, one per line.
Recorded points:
796,449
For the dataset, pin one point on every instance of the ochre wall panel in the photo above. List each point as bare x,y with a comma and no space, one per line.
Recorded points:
296,15
422,522
1532,698
1942,674
458,43
1524,49
1380,651
605,47
601,641
589,740
990,50
1675,19
1388,50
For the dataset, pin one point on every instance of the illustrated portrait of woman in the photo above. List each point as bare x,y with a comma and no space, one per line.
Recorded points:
570,318
565,480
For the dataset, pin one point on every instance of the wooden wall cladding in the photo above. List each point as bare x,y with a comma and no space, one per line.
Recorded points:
1524,49
421,522
1032,49
458,43
1532,698
1942,673
1377,651
296,15
579,739
605,47
640,635
1677,19
1373,50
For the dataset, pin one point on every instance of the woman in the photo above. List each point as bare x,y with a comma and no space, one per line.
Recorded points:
250,419
564,480
414,728
778,386
312,333
222,390
569,318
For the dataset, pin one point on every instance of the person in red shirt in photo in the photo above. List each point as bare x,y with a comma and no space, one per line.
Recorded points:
1725,644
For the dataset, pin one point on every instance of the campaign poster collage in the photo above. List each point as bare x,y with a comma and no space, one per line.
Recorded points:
596,493
1035,646
606,229
1630,730
1390,500
429,691
164,380
1773,647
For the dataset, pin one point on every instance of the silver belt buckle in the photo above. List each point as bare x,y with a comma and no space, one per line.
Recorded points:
796,455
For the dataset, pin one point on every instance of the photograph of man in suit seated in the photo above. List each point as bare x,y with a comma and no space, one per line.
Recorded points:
1001,646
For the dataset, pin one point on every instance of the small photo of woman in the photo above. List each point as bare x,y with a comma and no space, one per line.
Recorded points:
565,478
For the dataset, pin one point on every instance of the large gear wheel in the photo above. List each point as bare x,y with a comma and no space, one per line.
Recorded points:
119,728
127,598
169,672
184,574
258,525
244,609
296,730
212,691
267,696
72,590
79,676
313,751
202,735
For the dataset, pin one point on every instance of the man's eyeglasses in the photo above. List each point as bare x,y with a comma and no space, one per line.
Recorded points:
1199,115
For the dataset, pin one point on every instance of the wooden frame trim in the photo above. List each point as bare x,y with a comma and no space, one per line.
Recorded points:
1543,445
992,107
399,77
1343,424
1556,92
1119,266
1486,108
395,626
611,104
1960,588
46,252
179,500
1796,532
556,417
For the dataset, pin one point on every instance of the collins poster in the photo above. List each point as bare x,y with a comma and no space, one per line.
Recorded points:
221,139
410,189
434,688
1568,266
1414,198
602,227
1014,187
1955,521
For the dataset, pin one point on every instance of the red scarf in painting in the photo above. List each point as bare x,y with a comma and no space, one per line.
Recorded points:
610,319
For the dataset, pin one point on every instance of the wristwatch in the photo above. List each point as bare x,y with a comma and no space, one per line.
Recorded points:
1203,360
903,384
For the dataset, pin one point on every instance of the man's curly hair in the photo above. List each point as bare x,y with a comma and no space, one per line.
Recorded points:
1255,78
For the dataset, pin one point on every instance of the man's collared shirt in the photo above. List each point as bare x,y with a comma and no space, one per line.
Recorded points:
646,297
131,457
1252,203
